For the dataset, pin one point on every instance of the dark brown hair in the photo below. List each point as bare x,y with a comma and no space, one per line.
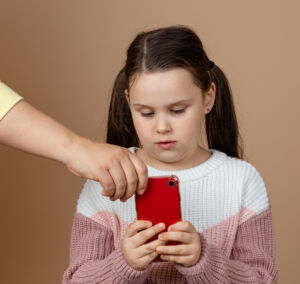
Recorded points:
160,50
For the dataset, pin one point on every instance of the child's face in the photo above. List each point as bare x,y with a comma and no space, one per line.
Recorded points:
155,119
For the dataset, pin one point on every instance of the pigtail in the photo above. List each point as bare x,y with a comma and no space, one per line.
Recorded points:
221,122
120,127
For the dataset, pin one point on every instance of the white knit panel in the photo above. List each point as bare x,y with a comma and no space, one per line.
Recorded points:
213,198
92,201
255,196
205,202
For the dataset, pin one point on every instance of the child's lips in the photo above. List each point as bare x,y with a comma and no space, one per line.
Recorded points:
165,141
166,144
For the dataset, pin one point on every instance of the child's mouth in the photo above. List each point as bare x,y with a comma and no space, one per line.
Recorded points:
166,145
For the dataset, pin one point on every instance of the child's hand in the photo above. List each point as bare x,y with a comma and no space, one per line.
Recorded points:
187,253
136,252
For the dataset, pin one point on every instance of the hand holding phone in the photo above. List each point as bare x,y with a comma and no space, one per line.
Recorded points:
137,252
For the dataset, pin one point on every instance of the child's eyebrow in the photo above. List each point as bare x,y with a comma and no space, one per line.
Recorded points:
169,105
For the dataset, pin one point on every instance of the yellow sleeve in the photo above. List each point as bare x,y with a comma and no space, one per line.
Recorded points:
8,98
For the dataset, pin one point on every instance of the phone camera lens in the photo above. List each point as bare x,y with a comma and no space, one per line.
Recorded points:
171,183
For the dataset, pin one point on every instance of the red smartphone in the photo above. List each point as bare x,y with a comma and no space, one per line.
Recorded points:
160,203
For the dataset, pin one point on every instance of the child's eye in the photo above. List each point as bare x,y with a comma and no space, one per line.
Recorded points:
146,114
174,111
178,110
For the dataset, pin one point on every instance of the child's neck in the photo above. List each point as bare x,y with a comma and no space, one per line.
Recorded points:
199,156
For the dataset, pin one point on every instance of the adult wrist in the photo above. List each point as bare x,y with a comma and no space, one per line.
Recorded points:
69,147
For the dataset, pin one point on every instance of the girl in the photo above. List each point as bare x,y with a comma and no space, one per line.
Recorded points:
166,92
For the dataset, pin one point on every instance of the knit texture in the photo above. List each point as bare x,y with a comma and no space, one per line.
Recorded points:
225,199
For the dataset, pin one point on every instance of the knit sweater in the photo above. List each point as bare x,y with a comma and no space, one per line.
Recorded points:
225,199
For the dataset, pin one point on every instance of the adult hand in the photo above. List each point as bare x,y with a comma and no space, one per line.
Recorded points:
120,172
136,251
187,253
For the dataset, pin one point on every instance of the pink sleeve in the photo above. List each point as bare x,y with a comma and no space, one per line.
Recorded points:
252,259
93,258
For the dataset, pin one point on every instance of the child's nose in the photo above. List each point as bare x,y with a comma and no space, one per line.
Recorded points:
163,126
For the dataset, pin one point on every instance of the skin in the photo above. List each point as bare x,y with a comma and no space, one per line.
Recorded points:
120,172
157,91
136,251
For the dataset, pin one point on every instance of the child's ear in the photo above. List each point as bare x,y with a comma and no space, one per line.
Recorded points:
209,97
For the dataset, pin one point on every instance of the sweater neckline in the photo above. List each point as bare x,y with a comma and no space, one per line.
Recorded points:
201,170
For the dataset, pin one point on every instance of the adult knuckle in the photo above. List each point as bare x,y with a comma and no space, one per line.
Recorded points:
122,182
121,186
109,187
132,181
117,196
102,167
118,151
143,170
110,160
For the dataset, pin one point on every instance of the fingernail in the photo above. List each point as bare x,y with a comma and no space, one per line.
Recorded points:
161,225
141,191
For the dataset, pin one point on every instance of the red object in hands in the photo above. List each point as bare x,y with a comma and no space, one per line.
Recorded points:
160,203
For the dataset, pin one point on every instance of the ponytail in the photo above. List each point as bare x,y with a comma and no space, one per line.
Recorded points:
120,127
221,123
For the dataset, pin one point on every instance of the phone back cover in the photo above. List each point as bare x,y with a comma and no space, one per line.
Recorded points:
160,202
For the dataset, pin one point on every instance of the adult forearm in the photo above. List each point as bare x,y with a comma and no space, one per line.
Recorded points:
27,129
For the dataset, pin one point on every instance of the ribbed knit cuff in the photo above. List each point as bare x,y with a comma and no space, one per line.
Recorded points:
124,270
201,265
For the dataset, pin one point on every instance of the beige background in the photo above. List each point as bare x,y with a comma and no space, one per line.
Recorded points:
63,56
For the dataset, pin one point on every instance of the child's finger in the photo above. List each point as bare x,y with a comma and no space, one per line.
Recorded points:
182,237
148,258
182,226
145,235
175,250
135,227
149,247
